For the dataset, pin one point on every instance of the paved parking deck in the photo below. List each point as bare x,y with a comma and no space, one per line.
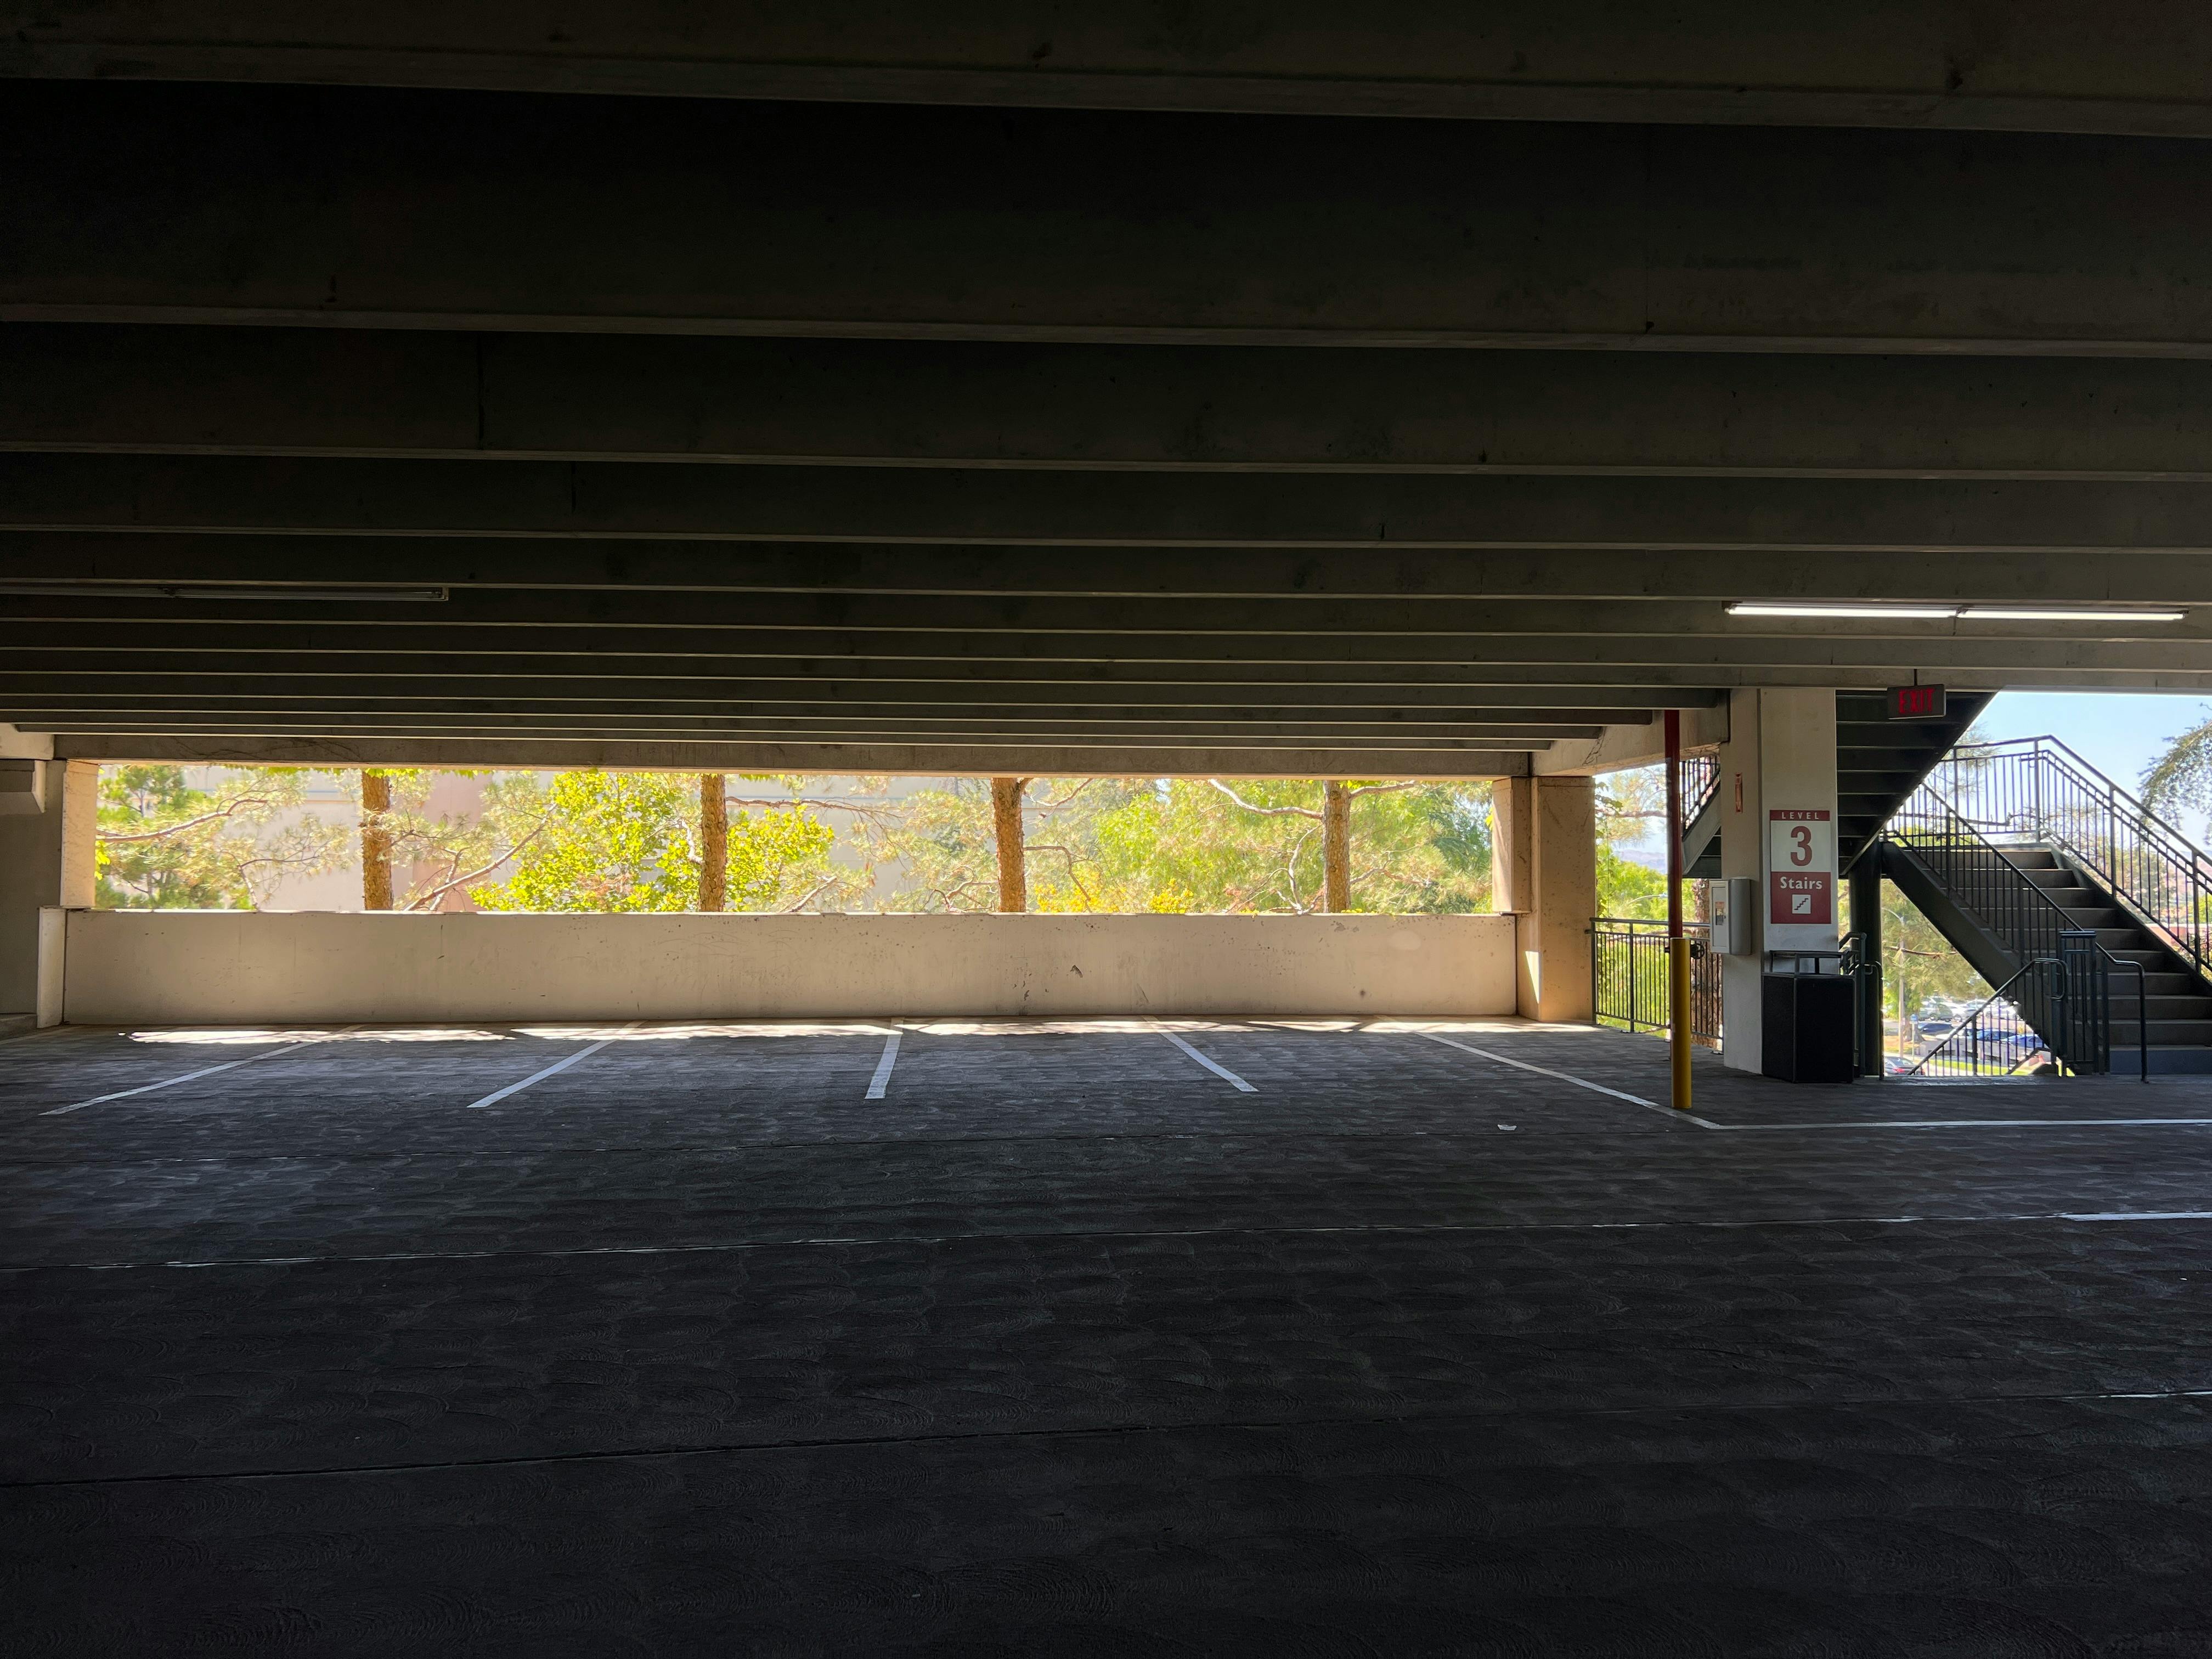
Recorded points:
1067,1343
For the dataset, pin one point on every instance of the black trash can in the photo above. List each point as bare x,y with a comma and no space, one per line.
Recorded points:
1807,1019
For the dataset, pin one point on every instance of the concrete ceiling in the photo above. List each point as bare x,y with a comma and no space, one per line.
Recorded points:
814,415
2140,67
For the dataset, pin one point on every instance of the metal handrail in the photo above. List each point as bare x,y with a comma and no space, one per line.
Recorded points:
2066,1002
2026,920
1859,960
1701,782
2143,1013
2038,789
1969,1027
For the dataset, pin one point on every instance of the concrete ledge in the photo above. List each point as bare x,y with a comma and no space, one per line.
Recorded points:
212,967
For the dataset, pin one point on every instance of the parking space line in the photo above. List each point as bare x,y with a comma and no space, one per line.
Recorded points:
585,1053
882,1080
1219,1070
204,1070
1985,1124
1843,1123
1567,1077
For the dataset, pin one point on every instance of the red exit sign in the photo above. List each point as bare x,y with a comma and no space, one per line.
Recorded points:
1916,703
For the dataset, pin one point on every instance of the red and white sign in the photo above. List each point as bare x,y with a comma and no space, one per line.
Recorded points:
1801,864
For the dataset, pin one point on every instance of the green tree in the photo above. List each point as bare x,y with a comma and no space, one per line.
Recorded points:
626,841
2182,774
1630,806
945,844
445,853
1626,888
1196,844
163,844
1919,964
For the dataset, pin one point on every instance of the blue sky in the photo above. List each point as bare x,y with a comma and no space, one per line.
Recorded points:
2120,733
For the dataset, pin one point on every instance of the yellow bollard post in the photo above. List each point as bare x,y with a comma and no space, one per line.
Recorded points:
1678,951
1678,944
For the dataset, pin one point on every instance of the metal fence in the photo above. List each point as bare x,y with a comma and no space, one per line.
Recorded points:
1996,1039
2036,791
1628,977
2056,1014
1976,872
1701,776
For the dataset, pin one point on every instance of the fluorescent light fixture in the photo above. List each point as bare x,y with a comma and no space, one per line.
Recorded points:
365,593
1921,612
2013,613
1961,612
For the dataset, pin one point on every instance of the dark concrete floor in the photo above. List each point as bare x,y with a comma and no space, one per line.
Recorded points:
1067,1346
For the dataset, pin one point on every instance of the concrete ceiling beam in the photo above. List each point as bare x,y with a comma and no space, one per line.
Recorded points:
33,713
477,621
627,525
493,694
375,208
2135,66
396,393
2020,650
837,676
1067,683
1201,738
931,760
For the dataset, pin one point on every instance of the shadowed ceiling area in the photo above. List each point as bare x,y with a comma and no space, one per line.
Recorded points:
1121,401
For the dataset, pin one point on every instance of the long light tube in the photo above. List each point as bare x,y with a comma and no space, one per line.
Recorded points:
1921,612
2015,613
364,593
1948,613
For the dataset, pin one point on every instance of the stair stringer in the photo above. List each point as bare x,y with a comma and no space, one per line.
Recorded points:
1701,841
1961,929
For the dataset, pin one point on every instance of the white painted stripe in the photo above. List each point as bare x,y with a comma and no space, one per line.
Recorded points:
1566,1077
1984,1123
1220,1070
2137,1215
585,1053
171,1082
186,1077
882,1079
1864,1123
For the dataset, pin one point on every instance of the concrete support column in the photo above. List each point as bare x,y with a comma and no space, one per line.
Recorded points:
1544,874
48,849
1780,757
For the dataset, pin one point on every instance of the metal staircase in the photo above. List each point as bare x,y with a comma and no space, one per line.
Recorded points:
1879,762
2013,849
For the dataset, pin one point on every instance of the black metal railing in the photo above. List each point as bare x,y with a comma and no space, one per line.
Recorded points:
1994,1038
1975,871
2036,791
1857,958
2055,1011
1701,776
1629,982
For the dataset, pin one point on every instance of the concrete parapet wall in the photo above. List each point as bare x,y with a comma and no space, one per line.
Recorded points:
213,966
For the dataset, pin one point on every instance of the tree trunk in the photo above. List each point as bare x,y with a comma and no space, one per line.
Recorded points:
375,841
1335,847
713,841
1006,823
